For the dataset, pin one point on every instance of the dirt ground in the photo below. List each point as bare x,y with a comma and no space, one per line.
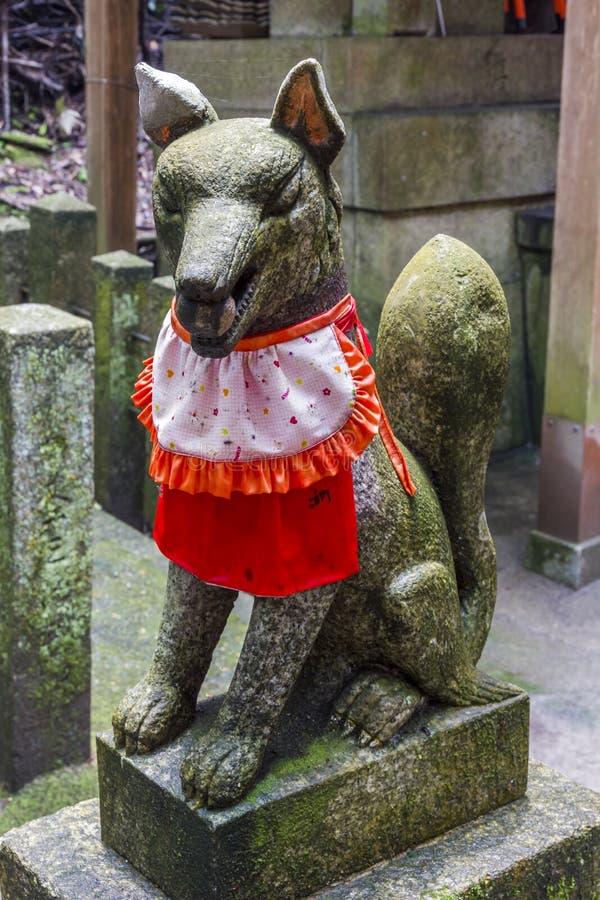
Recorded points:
33,174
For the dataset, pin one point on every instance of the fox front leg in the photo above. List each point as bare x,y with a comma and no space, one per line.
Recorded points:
163,703
220,769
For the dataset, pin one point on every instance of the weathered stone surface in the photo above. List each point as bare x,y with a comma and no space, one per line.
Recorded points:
388,17
14,259
534,229
62,241
470,17
377,246
317,19
121,281
327,811
158,300
381,243
573,564
46,378
61,857
441,374
439,159
513,429
370,74
543,847
152,311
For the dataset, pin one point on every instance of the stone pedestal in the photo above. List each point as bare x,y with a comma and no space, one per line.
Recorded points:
328,812
546,845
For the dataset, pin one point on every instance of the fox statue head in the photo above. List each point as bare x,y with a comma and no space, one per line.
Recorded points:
246,210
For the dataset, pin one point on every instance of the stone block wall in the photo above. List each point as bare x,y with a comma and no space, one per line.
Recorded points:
450,135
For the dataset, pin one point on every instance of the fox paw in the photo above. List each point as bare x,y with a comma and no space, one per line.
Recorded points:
477,689
375,706
219,770
150,714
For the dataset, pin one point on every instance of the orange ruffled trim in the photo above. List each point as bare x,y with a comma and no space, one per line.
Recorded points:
275,475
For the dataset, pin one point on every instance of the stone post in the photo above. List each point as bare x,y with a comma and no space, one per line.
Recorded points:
121,281
46,490
61,244
14,240
566,544
534,231
158,300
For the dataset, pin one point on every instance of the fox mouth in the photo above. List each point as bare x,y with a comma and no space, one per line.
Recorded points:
216,326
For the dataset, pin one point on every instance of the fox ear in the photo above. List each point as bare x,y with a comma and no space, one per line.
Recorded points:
304,108
169,105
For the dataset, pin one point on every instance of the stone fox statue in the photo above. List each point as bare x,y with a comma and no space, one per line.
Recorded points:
249,218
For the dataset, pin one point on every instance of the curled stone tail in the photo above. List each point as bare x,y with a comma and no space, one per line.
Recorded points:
442,360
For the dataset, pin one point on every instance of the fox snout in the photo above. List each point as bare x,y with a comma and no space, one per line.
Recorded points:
213,273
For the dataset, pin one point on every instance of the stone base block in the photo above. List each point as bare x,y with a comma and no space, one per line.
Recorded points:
572,564
546,845
328,812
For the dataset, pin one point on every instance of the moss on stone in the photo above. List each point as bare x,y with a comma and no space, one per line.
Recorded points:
319,752
61,244
122,281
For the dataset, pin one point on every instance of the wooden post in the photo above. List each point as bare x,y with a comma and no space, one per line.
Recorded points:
111,99
566,545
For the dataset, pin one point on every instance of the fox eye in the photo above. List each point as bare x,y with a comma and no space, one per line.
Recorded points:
286,195
168,207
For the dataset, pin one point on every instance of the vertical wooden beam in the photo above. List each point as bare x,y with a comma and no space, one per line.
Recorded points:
566,545
111,100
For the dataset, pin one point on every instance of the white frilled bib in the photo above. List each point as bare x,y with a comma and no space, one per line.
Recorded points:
273,402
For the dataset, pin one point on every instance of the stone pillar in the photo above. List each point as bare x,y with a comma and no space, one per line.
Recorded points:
158,300
566,544
534,233
14,240
46,490
61,244
121,281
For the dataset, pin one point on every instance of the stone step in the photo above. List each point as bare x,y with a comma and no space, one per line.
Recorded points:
545,845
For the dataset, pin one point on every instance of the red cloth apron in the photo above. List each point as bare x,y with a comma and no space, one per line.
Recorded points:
266,544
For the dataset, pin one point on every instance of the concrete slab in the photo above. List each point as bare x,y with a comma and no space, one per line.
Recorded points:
545,636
